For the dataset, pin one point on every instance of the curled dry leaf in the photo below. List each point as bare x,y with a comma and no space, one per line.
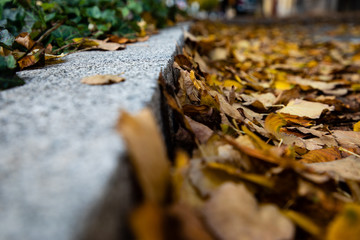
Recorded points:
25,40
273,123
232,213
148,153
102,79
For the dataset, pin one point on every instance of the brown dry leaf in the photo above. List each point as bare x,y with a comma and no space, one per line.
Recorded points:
314,84
25,40
347,139
102,79
120,40
27,61
346,168
201,131
346,225
233,213
304,108
226,107
321,155
148,153
93,44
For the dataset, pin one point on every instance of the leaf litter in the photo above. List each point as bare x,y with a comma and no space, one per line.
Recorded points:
267,138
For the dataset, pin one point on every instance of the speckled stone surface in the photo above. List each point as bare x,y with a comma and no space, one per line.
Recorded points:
61,160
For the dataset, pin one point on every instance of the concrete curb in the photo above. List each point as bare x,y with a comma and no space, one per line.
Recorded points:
62,168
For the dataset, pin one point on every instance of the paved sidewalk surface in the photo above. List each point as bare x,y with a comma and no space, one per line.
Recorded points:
61,162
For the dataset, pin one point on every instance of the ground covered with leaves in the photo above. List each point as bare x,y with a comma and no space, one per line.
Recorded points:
268,120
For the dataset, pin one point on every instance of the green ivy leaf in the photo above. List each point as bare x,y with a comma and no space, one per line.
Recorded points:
94,12
11,62
124,11
6,39
10,81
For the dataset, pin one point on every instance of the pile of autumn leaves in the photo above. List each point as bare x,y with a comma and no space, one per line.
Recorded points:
270,118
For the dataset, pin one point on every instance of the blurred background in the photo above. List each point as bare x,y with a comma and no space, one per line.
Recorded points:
274,8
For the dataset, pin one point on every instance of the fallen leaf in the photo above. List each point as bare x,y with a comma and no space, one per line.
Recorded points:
303,221
148,153
218,54
357,127
102,79
27,61
148,222
304,108
346,225
232,211
346,168
95,44
321,155
201,131
314,84
273,123
226,107
25,40
347,139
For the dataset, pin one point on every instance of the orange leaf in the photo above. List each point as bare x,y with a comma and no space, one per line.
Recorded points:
321,155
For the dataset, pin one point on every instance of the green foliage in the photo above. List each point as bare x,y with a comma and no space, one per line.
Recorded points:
77,18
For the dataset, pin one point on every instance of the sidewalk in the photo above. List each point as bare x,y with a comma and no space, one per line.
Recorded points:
61,157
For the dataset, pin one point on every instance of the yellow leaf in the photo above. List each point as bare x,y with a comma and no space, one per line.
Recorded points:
183,190
231,170
282,85
346,224
357,127
274,122
230,83
255,139
147,152
304,222
86,42
355,87
147,222
312,63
